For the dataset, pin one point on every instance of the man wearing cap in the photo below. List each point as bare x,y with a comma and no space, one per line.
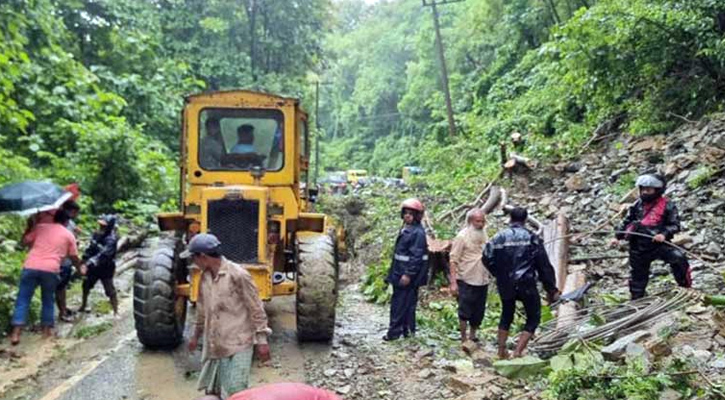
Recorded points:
651,221
408,271
231,317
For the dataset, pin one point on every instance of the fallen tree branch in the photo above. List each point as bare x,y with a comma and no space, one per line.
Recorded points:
689,121
465,206
132,263
131,241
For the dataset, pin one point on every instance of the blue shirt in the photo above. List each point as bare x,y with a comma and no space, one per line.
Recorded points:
243,148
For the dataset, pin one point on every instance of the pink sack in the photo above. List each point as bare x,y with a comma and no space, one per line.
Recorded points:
285,391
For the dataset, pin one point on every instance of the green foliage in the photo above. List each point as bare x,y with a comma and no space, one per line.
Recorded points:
90,331
91,90
553,71
623,184
11,266
702,175
579,376
375,288
102,307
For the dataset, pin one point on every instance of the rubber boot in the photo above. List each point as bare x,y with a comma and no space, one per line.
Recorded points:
523,342
502,352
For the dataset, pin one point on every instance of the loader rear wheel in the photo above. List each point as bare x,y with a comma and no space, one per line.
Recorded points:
317,275
158,312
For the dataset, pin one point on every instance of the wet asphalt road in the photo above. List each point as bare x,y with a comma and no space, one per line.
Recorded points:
115,366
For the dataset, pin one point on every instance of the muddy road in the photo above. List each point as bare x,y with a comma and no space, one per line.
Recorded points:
113,365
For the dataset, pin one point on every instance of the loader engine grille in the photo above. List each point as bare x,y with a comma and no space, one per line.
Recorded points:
236,224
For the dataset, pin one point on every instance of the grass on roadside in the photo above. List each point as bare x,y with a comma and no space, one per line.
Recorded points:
90,331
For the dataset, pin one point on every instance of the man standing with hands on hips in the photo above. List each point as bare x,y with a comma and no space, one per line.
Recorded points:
230,316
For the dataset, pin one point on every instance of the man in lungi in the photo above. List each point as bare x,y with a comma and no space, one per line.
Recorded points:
230,316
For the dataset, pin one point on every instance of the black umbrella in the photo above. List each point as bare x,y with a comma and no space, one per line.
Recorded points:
31,197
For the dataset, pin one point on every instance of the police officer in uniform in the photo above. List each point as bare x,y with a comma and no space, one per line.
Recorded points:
408,270
517,258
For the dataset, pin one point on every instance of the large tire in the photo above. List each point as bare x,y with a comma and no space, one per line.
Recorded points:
158,312
317,276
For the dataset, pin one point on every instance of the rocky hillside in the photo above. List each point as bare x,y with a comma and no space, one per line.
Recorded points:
592,190
664,359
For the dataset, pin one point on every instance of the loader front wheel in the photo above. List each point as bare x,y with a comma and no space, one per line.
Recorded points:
159,313
317,276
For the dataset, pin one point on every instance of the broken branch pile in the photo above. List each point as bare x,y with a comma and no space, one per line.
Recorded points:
605,322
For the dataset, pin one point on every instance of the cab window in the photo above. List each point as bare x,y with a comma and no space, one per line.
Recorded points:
238,140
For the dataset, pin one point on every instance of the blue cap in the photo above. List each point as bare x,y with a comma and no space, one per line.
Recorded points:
204,243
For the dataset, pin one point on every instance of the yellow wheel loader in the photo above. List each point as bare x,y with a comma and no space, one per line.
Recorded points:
244,178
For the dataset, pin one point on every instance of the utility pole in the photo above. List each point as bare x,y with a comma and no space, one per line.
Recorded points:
317,130
317,126
442,59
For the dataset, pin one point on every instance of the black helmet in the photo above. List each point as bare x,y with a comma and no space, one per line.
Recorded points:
108,221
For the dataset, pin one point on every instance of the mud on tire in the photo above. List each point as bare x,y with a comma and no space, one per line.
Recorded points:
317,275
158,322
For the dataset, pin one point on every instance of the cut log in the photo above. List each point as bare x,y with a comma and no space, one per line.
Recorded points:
131,241
518,163
556,242
567,310
494,198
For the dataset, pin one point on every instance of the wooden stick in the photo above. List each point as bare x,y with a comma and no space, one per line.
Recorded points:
597,257
624,198
461,207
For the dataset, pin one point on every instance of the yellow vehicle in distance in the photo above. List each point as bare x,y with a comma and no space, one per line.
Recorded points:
244,178
355,176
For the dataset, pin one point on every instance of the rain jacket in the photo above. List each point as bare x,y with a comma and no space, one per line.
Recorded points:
516,257
669,225
101,252
410,257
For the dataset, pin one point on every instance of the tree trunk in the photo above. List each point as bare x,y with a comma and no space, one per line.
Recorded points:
721,22
557,247
567,310
554,13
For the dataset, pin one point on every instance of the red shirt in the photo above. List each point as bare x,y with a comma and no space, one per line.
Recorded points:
50,243
285,391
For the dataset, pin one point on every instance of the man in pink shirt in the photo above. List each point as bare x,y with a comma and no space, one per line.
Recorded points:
49,243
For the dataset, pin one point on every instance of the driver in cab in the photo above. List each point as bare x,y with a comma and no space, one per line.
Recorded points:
245,140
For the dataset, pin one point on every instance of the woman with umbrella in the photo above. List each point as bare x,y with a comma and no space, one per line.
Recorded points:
49,243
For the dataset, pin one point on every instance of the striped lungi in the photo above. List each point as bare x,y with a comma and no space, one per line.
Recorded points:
226,376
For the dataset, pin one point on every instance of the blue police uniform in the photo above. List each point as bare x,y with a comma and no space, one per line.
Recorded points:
411,259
